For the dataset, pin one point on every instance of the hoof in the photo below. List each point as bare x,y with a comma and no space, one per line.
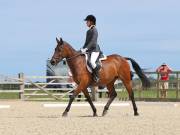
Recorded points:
104,113
95,115
136,114
65,114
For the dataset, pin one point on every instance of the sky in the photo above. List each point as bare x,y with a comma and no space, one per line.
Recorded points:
145,30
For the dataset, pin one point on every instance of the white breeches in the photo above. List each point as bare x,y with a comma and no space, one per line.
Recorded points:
94,56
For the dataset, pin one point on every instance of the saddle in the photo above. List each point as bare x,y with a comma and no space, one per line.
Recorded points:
99,60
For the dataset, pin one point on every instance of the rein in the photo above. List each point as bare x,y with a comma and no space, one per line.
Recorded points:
70,58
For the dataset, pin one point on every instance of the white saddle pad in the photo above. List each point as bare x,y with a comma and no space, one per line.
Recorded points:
89,68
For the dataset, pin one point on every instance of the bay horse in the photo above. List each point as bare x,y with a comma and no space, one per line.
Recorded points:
113,68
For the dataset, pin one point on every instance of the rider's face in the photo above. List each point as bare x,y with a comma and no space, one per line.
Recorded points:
88,23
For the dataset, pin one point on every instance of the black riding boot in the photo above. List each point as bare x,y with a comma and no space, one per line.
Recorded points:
96,73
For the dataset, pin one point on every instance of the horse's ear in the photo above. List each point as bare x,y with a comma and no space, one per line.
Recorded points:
57,40
61,41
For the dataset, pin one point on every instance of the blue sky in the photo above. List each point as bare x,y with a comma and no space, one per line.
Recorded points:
148,31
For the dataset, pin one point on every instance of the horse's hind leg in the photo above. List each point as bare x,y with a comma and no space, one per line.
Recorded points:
112,95
128,86
90,101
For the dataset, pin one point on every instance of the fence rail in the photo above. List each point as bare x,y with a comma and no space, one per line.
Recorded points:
30,88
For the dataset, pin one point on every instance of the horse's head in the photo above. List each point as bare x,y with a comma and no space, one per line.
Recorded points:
59,52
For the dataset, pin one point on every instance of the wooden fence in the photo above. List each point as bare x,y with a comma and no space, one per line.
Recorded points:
36,88
154,92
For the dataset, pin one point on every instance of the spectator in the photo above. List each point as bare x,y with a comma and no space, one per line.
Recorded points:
164,71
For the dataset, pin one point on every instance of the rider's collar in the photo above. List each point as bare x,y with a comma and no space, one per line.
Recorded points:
92,26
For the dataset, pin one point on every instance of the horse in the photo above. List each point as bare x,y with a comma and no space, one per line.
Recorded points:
113,68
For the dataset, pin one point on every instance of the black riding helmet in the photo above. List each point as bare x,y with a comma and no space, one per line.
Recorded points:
91,18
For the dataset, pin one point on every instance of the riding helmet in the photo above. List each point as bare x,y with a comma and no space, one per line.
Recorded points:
91,18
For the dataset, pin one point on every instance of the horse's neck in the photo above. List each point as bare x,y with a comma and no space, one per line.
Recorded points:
71,51
73,59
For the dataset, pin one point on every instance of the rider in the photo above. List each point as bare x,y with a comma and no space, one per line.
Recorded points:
91,46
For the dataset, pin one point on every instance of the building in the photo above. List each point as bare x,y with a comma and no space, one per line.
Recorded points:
61,69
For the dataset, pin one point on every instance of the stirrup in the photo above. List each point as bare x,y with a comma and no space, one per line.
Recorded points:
96,76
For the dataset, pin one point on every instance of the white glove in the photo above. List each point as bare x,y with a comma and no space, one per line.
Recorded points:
83,50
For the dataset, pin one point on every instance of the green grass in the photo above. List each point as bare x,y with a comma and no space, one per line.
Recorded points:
171,94
147,94
9,95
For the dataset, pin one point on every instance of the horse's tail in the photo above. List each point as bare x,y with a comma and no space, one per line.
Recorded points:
140,73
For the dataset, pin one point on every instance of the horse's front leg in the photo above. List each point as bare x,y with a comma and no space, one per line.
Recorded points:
76,92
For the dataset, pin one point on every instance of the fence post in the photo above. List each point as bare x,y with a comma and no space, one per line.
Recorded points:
158,86
177,83
21,94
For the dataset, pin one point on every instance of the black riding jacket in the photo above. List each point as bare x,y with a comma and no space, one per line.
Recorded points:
91,40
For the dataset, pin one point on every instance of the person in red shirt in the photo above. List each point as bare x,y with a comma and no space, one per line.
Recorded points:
164,72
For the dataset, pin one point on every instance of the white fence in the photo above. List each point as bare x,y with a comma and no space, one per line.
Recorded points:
37,88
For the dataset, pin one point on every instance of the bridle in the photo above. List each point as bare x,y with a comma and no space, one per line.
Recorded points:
74,56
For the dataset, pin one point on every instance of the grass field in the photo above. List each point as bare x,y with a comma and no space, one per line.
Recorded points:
147,94
9,95
122,95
